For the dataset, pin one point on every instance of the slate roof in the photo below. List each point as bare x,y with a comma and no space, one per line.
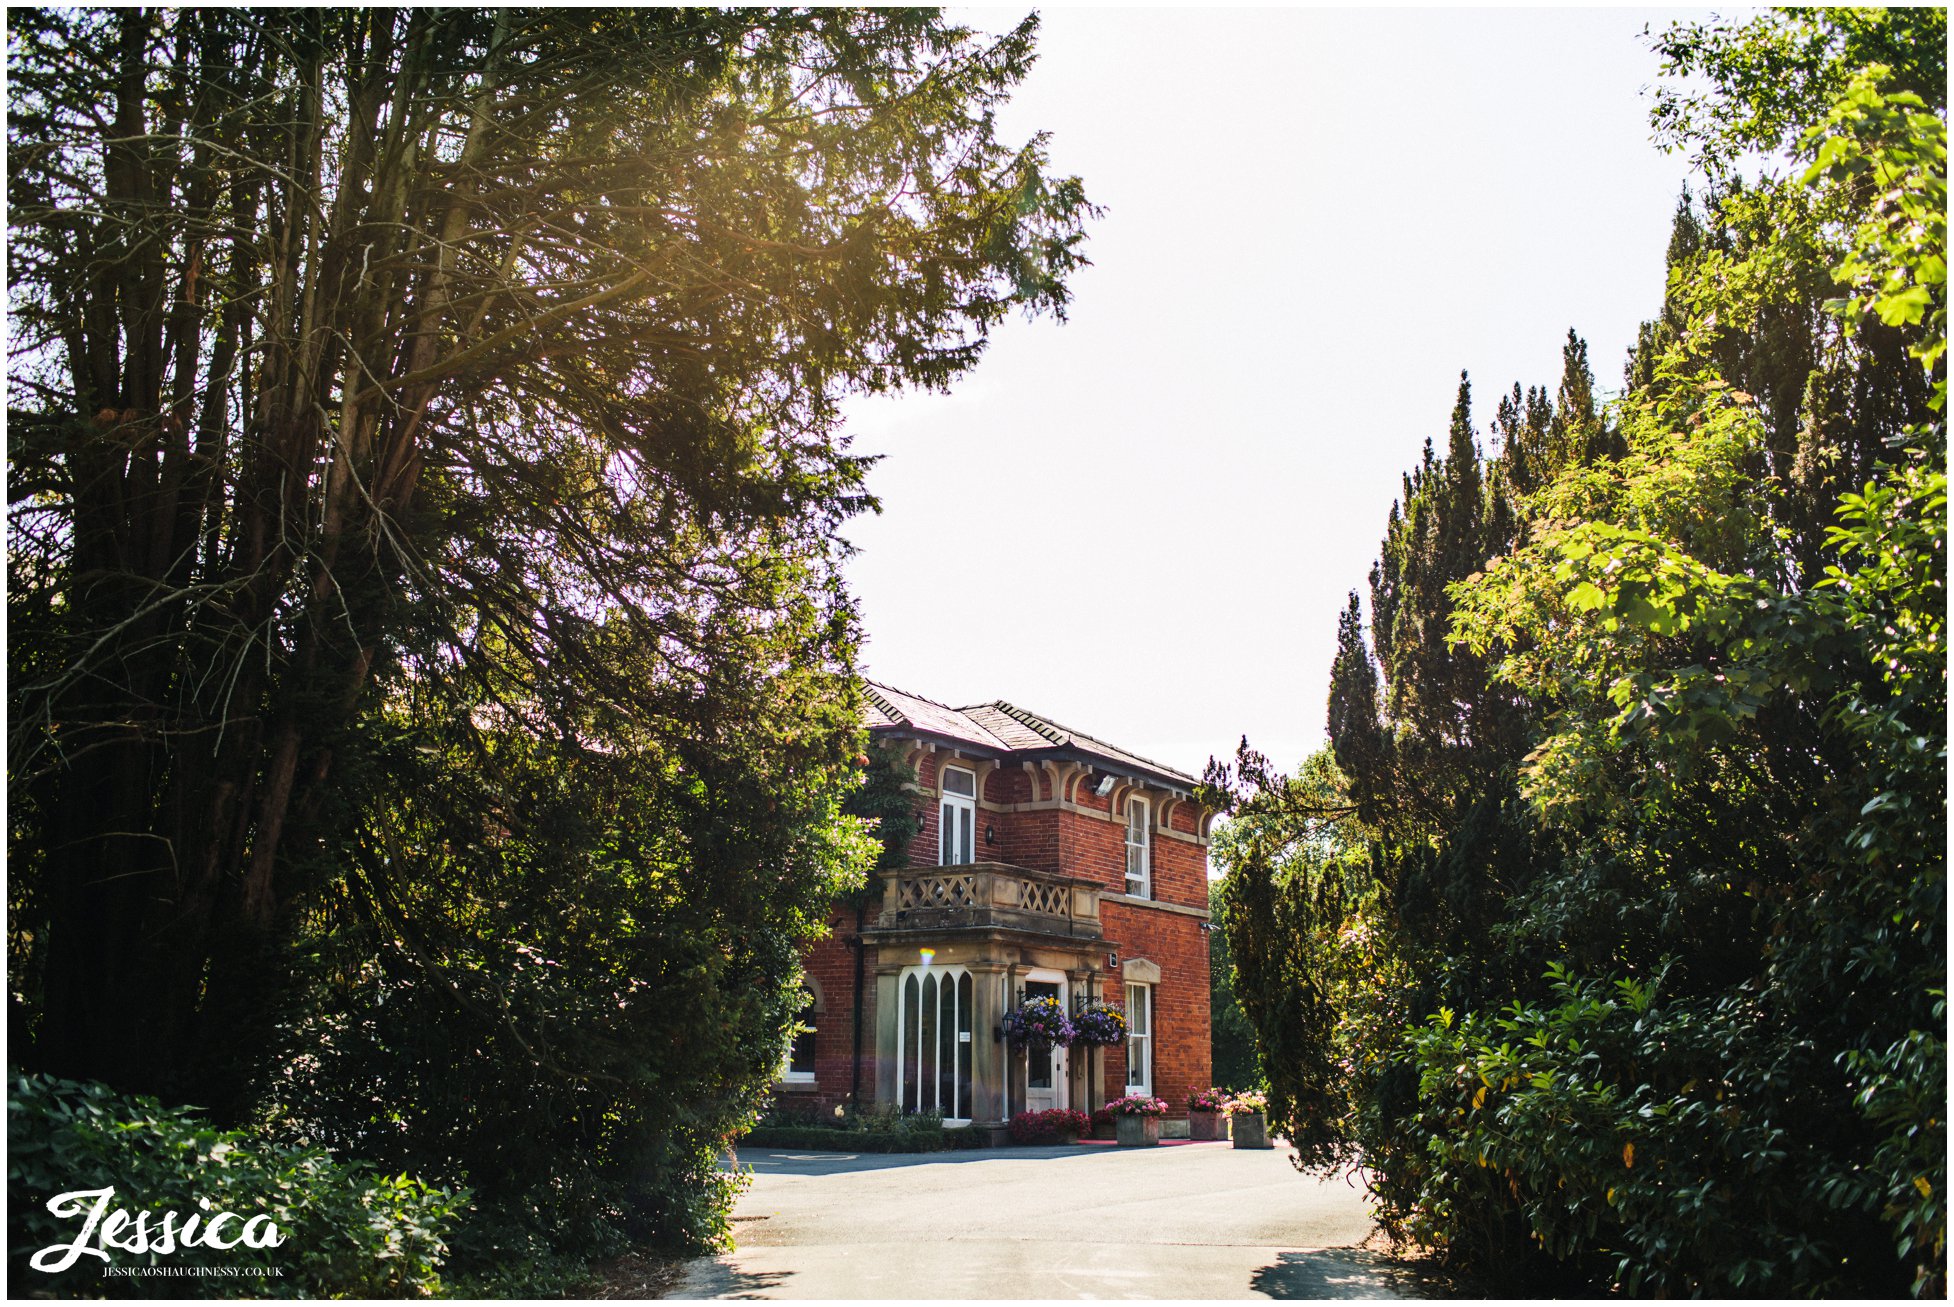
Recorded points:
1000,727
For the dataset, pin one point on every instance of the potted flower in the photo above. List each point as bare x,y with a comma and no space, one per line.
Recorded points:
1138,1116
1249,1116
1103,1126
1207,1113
1103,1024
1038,1022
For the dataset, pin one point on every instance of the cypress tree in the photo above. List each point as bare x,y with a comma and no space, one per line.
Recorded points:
1356,735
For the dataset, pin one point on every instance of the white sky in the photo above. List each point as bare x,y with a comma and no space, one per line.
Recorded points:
1143,523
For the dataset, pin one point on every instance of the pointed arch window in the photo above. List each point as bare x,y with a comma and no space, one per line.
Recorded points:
933,1040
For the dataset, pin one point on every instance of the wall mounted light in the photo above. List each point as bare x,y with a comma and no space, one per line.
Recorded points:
990,834
1105,785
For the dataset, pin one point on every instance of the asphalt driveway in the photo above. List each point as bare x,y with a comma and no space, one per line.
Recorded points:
1189,1221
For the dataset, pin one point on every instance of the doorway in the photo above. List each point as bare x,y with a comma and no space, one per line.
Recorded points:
1045,1072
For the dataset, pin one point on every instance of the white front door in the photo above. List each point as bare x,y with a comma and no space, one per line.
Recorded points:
1045,1086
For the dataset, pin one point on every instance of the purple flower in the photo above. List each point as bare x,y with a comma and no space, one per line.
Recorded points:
1038,1022
1099,1023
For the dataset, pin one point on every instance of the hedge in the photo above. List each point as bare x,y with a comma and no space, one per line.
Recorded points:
848,1141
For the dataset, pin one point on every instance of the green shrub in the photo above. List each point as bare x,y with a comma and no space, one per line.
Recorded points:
347,1230
888,1118
794,1113
1647,1141
849,1141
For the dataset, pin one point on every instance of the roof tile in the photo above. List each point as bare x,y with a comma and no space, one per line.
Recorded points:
999,725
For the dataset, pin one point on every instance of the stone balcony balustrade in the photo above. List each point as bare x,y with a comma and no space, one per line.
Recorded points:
989,896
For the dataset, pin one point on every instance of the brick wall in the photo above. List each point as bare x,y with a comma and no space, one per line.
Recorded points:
1174,942
830,965
1095,846
1025,839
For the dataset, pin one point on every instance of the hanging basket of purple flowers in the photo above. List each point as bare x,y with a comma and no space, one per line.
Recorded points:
1038,1022
1099,1023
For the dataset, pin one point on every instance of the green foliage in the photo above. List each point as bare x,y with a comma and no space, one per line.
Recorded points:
349,1231
1764,759
882,798
568,977
1751,86
1231,1037
889,1118
1652,1142
432,683
1646,753
848,1141
1296,911
1896,266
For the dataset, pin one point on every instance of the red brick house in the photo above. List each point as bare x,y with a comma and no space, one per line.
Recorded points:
1049,862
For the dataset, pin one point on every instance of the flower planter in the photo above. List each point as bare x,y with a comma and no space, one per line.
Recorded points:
1138,1131
1068,1138
1251,1130
1207,1125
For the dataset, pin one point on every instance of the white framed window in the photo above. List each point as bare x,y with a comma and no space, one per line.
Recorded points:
1139,1039
933,1040
956,840
798,1067
1139,874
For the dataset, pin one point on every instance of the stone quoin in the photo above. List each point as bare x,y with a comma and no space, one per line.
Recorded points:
1048,863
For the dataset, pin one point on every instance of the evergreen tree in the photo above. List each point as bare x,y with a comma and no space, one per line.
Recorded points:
1652,800
432,688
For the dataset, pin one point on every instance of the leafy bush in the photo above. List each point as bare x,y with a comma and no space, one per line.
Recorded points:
1639,1136
847,1141
347,1230
794,1112
1047,1127
887,1117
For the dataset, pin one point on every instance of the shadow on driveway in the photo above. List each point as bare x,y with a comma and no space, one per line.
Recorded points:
714,1278
1345,1273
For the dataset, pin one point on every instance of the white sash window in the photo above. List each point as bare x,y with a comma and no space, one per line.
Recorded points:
1139,879
956,841
1139,1039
